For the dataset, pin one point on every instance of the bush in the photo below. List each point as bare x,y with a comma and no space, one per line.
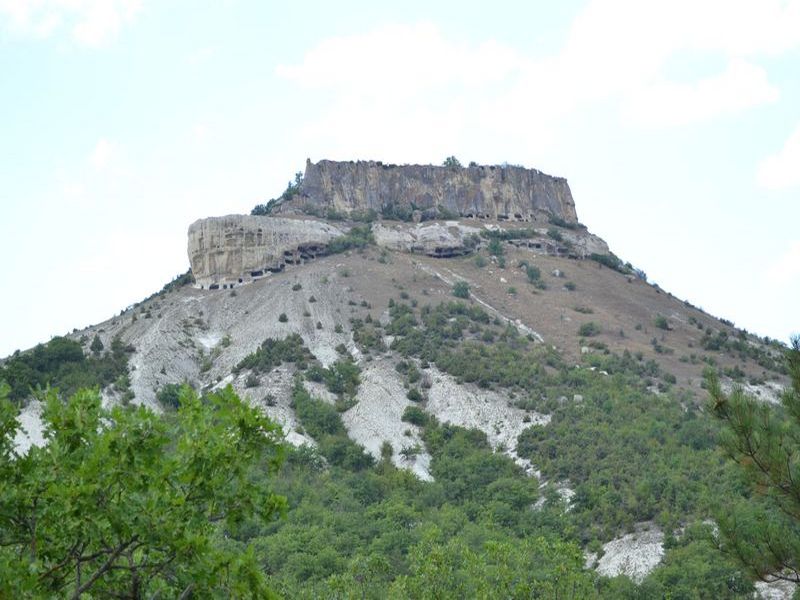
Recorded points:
609,260
342,377
661,322
97,345
461,289
415,415
297,287
283,318
555,234
589,329
168,396
534,273
414,395
358,237
272,353
61,363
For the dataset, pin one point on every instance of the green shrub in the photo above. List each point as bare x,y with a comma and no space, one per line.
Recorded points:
414,395
283,318
415,415
97,345
533,273
495,247
555,234
461,289
342,377
168,396
589,329
358,237
272,353
61,363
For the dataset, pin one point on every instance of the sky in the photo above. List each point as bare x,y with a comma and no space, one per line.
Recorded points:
676,123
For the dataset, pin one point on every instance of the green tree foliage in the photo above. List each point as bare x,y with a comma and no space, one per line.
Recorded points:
97,345
532,568
533,273
414,415
358,237
272,353
558,221
127,503
764,533
609,260
461,289
509,234
342,377
177,282
694,568
589,329
661,322
169,396
451,162
292,189
495,247
555,234
323,423
61,363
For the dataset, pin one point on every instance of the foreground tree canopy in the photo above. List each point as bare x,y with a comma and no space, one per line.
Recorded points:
764,533
126,503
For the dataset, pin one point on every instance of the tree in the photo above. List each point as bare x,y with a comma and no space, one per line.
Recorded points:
126,503
764,533
97,345
451,162
532,568
495,247
461,289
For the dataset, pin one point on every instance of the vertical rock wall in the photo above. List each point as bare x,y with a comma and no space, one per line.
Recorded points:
493,192
227,251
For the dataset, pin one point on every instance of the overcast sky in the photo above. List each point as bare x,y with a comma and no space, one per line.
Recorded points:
676,122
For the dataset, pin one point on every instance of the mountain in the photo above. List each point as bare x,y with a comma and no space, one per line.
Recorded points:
410,297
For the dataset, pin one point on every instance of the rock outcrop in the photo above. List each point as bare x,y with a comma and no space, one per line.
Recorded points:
440,240
488,192
227,251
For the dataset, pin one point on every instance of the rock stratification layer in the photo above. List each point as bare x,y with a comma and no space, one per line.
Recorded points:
489,192
226,251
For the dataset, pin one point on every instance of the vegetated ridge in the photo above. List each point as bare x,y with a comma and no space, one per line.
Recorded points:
460,324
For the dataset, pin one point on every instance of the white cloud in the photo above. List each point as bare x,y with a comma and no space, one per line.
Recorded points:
786,269
664,104
102,155
399,59
90,22
399,87
782,170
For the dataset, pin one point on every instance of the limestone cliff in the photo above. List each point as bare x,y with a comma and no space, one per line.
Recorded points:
227,251
489,192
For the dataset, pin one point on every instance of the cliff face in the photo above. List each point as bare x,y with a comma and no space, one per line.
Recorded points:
491,192
227,251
